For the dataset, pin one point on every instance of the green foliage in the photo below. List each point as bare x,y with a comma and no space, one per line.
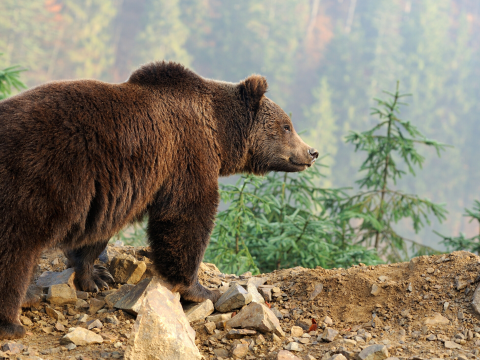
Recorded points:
133,235
461,242
10,79
390,141
280,222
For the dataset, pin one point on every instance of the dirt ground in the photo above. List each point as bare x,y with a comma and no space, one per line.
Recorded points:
384,304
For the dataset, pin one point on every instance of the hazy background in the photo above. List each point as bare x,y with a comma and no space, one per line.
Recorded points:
324,59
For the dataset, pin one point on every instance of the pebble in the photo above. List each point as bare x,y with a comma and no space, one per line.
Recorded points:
296,331
240,333
328,335
452,345
294,346
239,350
112,319
200,311
13,348
316,291
375,290
437,319
81,336
94,324
286,355
328,321
374,352
95,305
258,317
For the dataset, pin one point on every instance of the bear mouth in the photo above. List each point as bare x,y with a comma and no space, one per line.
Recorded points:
298,164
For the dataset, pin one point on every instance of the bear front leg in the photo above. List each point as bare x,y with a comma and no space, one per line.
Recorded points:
16,264
178,240
89,277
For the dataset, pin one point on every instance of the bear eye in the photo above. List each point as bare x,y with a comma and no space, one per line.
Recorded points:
286,128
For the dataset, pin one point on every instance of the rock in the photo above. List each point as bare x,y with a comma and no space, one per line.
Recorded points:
476,300
221,353
132,301
71,346
59,327
461,284
162,330
431,337
375,290
82,295
81,304
112,320
257,317
49,278
437,319
112,298
125,269
374,352
61,294
286,355
83,318
445,305
266,293
337,357
383,278
81,336
235,297
316,291
13,348
430,270
54,314
452,345
195,312
239,351
26,321
256,296
294,346
277,313
240,333
296,331
328,321
95,305
328,335
219,317
210,327
94,324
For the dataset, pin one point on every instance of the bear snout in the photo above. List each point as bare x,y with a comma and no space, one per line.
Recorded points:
313,153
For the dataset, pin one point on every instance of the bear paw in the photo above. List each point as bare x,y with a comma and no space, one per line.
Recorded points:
197,293
96,280
10,331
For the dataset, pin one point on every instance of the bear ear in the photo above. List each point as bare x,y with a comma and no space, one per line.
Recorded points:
252,89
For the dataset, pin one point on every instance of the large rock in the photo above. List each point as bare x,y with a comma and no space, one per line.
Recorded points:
133,299
195,312
61,294
476,300
235,297
49,278
257,317
125,269
162,330
112,298
81,336
436,319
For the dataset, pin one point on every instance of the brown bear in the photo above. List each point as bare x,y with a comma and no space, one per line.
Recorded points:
81,159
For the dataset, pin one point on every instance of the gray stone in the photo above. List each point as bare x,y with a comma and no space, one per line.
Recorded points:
81,336
49,278
476,300
222,353
61,294
328,335
277,313
70,346
210,327
257,317
125,269
374,352
240,333
195,312
82,295
316,291
113,297
219,317
286,355
83,318
132,301
294,346
95,305
431,337
112,320
239,351
13,348
162,330
328,321
266,293
94,324
256,296
375,290
452,345
235,297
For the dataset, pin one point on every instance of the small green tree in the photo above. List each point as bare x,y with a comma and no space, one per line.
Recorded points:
388,143
10,79
461,242
280,222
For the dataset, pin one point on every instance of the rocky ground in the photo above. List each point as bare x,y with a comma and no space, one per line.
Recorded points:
424,309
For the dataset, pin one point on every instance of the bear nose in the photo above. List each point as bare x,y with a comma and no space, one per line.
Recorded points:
313,153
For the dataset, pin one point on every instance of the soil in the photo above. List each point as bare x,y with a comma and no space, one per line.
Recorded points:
406,295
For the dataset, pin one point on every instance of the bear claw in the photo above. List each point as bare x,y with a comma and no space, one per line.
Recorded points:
198,293
97,280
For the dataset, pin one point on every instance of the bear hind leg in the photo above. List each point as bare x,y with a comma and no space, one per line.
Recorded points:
90,277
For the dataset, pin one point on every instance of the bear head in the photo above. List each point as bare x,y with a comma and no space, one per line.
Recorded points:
274,145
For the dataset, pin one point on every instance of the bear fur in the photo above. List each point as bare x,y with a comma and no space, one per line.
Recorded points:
81,159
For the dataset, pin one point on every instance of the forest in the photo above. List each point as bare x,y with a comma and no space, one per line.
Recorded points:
325,61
